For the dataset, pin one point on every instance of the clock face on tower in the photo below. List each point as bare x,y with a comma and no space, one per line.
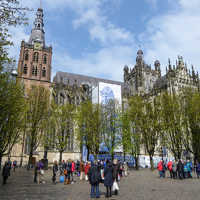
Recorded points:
37,45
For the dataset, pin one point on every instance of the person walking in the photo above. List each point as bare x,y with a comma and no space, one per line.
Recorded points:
169,167
108,178
180,169
55,170
189,167
160,168
14,165
115,176
174,170
72,171
69,168
82,170
198,169
94,176
87,167
5,172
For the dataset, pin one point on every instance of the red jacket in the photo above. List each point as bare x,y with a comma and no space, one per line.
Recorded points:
169,165
73,167
87,167
160,166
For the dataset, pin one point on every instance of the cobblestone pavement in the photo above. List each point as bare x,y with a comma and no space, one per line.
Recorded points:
139,185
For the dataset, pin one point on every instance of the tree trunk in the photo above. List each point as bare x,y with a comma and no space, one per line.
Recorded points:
22,153
88,153
124,156
151,162
30,159
45,152
60,160
137,162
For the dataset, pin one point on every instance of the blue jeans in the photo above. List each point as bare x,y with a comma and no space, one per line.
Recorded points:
161,174
95,191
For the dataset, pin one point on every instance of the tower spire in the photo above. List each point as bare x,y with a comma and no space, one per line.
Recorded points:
37,33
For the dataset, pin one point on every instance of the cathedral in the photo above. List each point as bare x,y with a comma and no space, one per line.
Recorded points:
34,68
143,80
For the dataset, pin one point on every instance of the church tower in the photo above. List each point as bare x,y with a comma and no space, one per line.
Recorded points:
34,66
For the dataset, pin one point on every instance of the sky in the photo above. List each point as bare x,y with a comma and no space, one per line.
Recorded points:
99,37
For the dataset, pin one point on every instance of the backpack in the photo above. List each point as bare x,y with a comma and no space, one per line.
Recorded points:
94,175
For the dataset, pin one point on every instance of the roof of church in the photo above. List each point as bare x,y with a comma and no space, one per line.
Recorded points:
71,78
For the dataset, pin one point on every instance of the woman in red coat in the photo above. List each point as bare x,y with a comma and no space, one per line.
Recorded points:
87,167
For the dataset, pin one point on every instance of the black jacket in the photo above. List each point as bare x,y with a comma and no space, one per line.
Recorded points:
115,171
108,176
6,171
94,175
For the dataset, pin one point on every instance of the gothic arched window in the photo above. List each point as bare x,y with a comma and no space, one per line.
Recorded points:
26,55
43,72
45,59
35,57
34,70
25,69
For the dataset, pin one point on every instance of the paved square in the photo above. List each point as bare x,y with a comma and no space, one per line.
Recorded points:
139,185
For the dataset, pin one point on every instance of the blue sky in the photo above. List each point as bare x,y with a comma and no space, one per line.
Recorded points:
99,37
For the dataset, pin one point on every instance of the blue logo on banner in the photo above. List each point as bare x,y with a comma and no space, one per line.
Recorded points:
106,94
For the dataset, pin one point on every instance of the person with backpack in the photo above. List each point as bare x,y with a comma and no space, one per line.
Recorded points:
108,178
94,176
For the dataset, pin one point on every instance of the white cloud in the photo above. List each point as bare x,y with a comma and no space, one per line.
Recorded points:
174,33
108,62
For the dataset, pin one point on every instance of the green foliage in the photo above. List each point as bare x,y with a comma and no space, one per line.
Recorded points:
11,14
62,120
172,118
12,106
37,113
111,125
89,126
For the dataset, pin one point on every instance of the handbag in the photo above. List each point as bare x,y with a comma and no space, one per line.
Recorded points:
42,172
115,186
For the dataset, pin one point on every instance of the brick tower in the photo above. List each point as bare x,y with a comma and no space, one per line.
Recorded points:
34,66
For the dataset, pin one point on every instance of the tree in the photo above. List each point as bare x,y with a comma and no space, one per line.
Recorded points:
191,107
151,126
37,113
111,126
172,118
135,117
11,14
62,117
89,127
12,108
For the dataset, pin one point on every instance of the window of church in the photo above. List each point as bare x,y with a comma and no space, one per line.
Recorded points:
45,59
26,55
34,71
25,69
43,72
36,57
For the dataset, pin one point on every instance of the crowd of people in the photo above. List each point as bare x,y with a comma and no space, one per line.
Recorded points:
96,172
178,170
